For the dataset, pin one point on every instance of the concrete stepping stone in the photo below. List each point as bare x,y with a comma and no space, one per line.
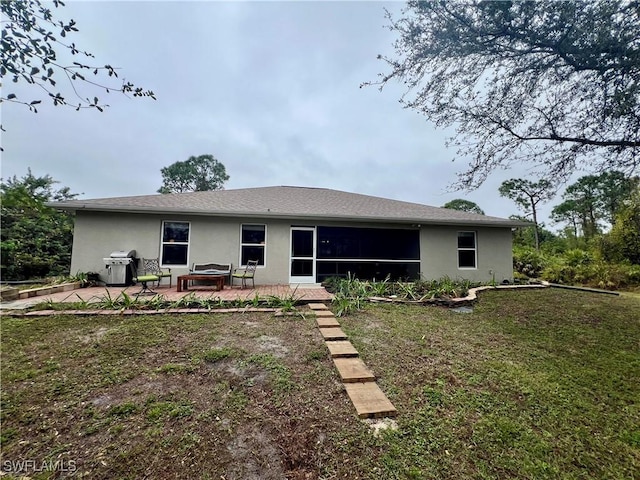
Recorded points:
324,313
353,370
318,306
327,322
369,400
341,349
333,333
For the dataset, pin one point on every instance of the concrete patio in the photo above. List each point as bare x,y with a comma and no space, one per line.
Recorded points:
304,294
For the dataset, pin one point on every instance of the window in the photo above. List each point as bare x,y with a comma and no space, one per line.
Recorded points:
466,249
175,243
253,243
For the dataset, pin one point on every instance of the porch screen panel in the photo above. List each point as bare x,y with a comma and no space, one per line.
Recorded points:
368,243
302,243
367,270
368,253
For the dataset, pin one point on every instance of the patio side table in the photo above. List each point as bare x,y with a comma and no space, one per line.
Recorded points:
183,280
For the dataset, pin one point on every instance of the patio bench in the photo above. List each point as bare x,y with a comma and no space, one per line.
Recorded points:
212,268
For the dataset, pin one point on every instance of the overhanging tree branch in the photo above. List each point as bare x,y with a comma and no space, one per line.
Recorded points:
553,84
561,138
28,54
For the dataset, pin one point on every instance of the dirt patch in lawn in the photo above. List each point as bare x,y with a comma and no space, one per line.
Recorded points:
233,396
94,336
255,455
272,345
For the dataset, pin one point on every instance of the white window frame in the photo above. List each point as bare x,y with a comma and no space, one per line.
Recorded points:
163,243
467,249
263,245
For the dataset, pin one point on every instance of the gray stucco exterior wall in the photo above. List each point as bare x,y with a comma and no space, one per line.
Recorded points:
439,253
212,239
217,239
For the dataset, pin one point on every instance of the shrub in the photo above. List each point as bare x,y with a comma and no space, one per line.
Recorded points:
597,274
331,284
578,258
350,293
528,261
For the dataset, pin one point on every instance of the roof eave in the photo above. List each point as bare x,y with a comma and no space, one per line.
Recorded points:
284,216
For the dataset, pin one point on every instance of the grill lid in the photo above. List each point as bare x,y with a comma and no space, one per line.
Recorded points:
117,261
123,254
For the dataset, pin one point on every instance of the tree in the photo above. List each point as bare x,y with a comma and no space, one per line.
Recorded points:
594,199
625,234
567,212
31,51
194,175
614,189
528,195
526,236
464,206
582,198
35,239
553,84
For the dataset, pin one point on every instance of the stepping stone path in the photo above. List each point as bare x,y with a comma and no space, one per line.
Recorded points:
360,383
341,348
353,370
327,322
369,400
333,333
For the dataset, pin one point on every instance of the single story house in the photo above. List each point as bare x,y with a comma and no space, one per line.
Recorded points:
298,235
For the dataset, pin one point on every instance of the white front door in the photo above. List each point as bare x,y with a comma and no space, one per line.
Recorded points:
303,255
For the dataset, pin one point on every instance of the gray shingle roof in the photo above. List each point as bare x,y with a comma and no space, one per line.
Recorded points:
287,202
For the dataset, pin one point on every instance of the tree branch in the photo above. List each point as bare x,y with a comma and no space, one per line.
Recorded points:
561,138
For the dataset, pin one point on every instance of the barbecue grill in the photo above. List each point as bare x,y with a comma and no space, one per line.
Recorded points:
121,268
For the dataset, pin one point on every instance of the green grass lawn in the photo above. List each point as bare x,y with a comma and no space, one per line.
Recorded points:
531,385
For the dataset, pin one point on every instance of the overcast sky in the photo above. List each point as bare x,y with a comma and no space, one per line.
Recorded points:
271,89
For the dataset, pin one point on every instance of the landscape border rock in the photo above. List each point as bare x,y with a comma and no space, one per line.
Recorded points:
140,311
37,292
471,297
9,293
